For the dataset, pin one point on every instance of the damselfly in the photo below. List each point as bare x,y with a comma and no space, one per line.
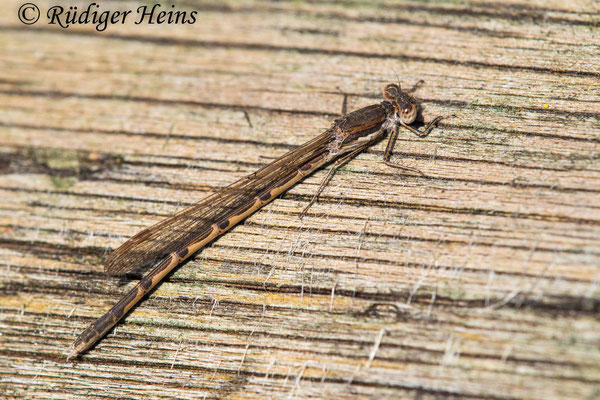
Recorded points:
175,239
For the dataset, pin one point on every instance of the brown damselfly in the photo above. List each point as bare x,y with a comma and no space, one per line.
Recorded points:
175,239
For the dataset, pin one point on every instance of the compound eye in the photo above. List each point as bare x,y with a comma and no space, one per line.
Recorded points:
408,113
391,91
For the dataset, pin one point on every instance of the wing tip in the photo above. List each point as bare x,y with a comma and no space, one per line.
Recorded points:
111,264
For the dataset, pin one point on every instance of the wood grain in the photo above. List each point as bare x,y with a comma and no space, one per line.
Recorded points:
478,280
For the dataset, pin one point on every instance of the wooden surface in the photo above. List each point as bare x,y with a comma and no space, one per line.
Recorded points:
479,280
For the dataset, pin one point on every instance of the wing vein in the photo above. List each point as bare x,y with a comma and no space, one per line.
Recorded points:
183,227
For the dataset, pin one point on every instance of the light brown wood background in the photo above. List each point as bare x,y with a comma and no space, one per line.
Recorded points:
479,280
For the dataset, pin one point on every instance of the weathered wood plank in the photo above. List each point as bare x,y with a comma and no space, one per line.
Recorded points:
478,280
